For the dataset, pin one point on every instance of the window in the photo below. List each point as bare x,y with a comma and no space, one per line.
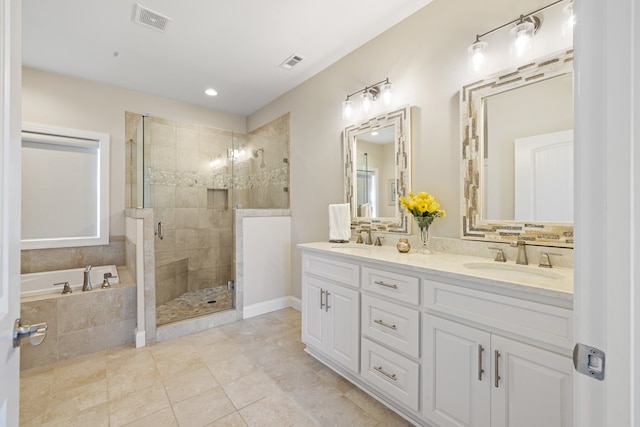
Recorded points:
65,187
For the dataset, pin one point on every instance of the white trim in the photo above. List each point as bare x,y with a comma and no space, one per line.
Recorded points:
141,333
271,305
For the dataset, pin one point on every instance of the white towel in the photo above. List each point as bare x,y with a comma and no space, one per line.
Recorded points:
365,210
339,222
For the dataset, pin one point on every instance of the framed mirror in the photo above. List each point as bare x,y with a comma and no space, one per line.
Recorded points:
517,154
377,167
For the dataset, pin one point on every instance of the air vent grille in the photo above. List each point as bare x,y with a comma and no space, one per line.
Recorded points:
291,61
149,18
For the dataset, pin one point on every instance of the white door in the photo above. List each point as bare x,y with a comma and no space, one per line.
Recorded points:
313,329
456,372
531,388
10,69
343,325
544,177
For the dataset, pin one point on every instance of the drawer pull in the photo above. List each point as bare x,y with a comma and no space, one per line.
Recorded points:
381,283
385,373
386,325
480,370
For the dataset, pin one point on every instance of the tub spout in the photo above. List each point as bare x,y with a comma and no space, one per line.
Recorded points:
86,283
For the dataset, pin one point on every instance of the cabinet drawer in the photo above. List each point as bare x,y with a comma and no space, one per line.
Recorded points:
391,324
393,285
553,325
338,271
391,373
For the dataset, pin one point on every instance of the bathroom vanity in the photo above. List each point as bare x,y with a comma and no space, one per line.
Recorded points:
443,339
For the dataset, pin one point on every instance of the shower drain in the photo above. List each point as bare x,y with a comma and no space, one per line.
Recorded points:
211,302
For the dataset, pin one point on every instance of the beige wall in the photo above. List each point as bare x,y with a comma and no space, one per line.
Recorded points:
66,102
425,58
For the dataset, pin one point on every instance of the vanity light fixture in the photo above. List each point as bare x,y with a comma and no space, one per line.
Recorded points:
523,30
369,95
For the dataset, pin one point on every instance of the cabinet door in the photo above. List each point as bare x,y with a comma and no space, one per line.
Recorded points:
534,389
343,314
313,329
456,381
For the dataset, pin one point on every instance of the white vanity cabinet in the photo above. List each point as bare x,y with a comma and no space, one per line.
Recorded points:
474,377
331,309
439,347
391,334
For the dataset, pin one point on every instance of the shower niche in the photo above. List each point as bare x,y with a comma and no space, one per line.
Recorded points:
193,177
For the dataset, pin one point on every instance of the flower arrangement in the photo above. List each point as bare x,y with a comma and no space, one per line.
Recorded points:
422,204
424,208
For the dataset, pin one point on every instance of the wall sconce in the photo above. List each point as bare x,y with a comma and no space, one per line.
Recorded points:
369,95
522,33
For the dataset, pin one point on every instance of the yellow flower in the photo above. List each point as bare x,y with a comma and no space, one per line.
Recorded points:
422,204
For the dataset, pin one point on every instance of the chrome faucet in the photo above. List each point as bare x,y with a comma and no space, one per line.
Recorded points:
521,258
86,283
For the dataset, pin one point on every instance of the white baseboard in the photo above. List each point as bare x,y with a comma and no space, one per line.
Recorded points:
271,305
141,338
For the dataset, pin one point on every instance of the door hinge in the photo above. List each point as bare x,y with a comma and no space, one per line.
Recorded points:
589,361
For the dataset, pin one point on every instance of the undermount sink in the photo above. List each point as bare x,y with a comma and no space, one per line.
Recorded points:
512,271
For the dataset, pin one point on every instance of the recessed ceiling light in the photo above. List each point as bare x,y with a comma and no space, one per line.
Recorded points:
211,92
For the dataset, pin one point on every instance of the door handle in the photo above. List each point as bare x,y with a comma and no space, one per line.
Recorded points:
496,366
36,333
321,295
160,231
480,370
326,301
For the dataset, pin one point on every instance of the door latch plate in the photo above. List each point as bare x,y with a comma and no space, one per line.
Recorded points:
589,361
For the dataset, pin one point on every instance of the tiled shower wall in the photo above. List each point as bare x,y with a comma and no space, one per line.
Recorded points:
191,199
261,179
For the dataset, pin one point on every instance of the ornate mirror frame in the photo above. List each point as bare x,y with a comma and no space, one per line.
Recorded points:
401,119
472,130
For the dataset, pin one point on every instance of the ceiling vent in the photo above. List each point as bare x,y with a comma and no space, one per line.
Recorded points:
149,18
291,61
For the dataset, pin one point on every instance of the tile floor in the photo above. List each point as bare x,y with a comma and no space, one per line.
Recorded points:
249,373
194,303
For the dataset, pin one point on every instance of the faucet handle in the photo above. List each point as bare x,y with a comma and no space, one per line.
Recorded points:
545,261
499,255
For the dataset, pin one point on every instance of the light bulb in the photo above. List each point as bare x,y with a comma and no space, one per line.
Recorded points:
367,99
347,109
477,56
387,95
522,35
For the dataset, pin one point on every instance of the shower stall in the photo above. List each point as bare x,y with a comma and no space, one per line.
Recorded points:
193,177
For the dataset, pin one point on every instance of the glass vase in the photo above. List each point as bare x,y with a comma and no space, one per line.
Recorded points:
424,224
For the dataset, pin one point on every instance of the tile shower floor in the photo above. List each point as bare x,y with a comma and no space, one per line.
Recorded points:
194,303
250,373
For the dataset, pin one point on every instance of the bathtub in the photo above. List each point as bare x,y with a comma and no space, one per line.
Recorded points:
34,284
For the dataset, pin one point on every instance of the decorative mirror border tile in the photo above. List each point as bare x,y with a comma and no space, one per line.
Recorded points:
471,96
401,118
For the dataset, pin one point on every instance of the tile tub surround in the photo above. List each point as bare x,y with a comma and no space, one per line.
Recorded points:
81,322
37,260
250,373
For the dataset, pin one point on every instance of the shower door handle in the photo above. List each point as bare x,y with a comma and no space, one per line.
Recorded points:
160,232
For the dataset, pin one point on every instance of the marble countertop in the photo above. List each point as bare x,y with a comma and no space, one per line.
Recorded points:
525,281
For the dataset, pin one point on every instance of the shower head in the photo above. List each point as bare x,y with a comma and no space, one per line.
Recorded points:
255,156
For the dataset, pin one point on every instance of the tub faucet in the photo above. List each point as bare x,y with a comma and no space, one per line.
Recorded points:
86,283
